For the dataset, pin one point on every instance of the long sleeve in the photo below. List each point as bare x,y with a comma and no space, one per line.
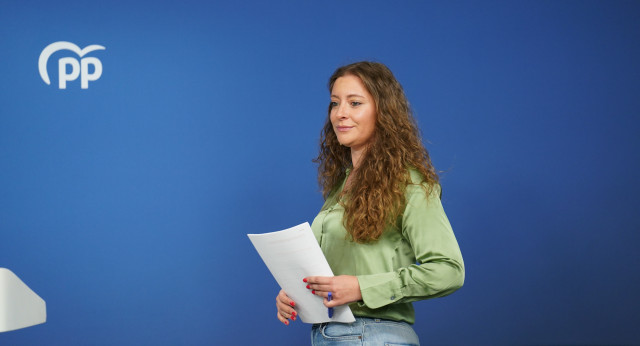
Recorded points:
438,268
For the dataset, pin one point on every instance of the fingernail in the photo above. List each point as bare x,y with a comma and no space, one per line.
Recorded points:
308,286
293,314
292,304
305,279
293,318
286,322
313,291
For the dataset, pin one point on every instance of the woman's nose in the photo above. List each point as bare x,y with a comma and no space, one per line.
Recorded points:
342,111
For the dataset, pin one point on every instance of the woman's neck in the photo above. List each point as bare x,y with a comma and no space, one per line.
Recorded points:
356,157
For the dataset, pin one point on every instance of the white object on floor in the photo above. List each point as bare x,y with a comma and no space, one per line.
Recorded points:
20,307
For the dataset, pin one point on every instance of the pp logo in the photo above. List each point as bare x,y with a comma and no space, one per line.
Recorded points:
77,68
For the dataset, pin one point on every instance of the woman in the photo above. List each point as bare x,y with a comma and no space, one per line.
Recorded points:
382,227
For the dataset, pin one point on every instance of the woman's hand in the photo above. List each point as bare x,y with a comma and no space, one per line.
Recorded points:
285,308
344,289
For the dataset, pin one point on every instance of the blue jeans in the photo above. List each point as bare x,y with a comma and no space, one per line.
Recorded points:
364,331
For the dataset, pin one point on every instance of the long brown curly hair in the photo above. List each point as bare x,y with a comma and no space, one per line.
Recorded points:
375,196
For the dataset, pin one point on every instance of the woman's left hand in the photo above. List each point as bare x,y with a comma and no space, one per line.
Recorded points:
344,289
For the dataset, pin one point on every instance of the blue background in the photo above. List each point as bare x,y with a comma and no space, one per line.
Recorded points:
126,205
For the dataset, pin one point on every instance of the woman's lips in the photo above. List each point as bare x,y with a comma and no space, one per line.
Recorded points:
343,128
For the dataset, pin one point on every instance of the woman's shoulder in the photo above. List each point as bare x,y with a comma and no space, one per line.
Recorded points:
418,184
416,177
332,198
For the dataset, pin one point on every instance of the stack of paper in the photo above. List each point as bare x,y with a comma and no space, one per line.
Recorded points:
291,255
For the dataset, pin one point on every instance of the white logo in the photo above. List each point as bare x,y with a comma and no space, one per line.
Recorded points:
77,69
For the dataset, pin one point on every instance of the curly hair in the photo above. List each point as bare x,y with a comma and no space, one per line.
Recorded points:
375,197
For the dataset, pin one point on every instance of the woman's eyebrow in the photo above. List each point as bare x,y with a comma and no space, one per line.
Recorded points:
350,95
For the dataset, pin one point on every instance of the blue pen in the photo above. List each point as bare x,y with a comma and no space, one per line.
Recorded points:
330,309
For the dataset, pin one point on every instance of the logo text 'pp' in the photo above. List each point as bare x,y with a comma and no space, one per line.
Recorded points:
78,68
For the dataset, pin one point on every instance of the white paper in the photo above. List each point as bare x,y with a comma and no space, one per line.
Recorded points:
291,255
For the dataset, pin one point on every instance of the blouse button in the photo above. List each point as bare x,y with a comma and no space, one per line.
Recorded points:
393,297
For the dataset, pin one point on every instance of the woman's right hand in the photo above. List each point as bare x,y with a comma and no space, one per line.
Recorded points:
286,308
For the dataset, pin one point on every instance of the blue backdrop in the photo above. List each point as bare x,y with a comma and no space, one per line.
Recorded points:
126,205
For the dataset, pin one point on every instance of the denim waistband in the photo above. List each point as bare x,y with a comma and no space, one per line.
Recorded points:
364,331
365,320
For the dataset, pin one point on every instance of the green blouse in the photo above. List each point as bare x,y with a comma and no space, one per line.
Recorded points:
418,258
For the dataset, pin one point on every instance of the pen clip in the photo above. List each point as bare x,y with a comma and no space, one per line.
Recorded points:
330,309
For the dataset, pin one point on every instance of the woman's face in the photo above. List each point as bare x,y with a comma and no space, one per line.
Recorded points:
353,112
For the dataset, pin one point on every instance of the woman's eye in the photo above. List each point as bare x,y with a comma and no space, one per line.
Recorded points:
355,103
333,104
